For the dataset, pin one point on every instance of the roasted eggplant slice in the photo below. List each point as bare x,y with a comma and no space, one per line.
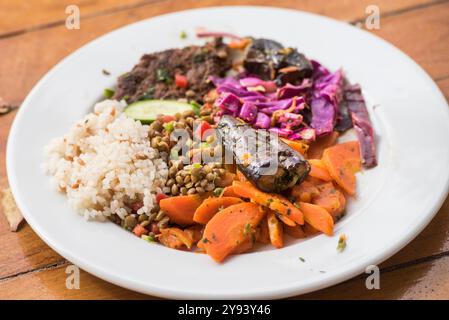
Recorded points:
265,160
271,61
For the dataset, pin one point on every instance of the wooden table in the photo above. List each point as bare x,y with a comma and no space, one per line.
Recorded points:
33,38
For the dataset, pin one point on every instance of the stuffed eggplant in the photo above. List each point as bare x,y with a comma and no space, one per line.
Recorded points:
265,160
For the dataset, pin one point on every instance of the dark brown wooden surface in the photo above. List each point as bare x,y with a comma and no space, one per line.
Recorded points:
33,38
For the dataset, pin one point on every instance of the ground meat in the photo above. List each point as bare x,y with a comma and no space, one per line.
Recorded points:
153,76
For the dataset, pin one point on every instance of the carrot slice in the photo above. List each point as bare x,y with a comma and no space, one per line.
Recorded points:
305,191
229,228
318,217
342,161
226,180
295,232
272,201
318,170
211,206
286,220
299,146
331,199
175,238
181,209
275,229
263,235
229,192
316,149
241,177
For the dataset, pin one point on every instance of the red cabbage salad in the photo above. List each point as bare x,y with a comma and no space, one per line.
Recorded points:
280,90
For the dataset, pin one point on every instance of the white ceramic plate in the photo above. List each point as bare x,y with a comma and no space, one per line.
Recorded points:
395,201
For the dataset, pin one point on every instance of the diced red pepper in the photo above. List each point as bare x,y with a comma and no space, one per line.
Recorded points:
167,118
181,81
139,230
160,196
201,129
136,205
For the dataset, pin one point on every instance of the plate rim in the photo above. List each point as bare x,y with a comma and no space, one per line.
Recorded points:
168,293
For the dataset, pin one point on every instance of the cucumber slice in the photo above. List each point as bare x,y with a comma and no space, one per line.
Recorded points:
146,111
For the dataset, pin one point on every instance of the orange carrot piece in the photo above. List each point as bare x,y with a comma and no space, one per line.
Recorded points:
139,230
226,180
211,206
316,149
318,217
263,235
309,230
331,199
241,177
195,233
286,221
239,44
229,192
305,191
299,146
342,161
272,201
229,228
175,238
296,232
181,209
319,170
275,229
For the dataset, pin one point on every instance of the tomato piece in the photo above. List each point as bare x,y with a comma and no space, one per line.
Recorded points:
160,196
181,81
201,129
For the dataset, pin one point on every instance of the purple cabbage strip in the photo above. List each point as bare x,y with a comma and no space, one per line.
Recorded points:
290,91
362,124
248,112
262,121
229,103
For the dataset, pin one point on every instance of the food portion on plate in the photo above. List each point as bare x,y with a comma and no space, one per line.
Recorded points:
216,148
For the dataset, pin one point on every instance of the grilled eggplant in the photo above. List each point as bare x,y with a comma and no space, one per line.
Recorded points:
265,160
271,61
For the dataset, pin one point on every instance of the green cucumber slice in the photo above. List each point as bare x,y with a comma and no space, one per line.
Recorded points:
146,111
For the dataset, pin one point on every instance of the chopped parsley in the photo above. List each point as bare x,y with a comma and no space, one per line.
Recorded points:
183,35
302,259
169,126
162,75
218,192
247,229
341,242
108,93
106,72
205,240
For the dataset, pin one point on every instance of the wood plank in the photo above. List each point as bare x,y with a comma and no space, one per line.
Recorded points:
426,280
16,16
422,34
421,281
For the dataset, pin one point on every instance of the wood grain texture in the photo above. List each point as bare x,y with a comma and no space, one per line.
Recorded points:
21,16
30,269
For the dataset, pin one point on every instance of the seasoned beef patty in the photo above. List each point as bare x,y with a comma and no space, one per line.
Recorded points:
153,77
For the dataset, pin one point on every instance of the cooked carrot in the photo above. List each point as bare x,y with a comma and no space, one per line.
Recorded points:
139,230
296,232
211,206
309,230
226,180
275,229
263,235
319,170
317,217
285,220
175,238
241,177
299,146
272,201
304,191
331,199
195,233
316,149
229,228
181,209
342,161
229,192
239,44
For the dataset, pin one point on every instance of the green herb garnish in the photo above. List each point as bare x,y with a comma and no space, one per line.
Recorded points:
302,259
341,243
183,35
148,238
218,192
108,93
197,165
196,107
247,229
169,126
162,75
